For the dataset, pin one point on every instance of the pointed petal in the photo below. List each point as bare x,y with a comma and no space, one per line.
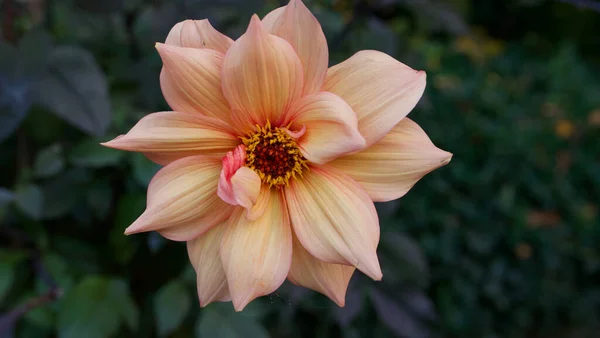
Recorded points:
334,219
262,76
379,89
182,200
389,168
198,34
210,276
331,127
257,254
191,80
329,279
298,26
168,136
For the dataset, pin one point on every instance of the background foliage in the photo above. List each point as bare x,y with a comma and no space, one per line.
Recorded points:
503,242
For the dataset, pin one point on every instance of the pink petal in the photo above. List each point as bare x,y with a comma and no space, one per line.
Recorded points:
168,136
210,276
262,76
182,200
329,279
298,26
239,185
191,80
257,254
389,168
198,34
334,219
379,89
331,127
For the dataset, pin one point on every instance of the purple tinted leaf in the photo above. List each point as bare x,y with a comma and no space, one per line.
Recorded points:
396,317
76,90
354,304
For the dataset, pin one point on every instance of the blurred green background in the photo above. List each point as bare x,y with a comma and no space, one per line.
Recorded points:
502,242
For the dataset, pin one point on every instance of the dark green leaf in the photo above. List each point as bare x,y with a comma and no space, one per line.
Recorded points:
30,199
171,305
101,7
96,307
8,262
91,154
75,89
220,320
49,161
64,191
99,197
143,169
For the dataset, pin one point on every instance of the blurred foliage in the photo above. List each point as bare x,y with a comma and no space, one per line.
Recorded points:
503,242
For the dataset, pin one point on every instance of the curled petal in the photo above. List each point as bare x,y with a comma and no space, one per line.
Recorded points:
191,80
257,254
233,161
331,127
329,279
198,34
389,168
239,185
182,200
203,252
334,219
298,26
379,89
168,136
262,76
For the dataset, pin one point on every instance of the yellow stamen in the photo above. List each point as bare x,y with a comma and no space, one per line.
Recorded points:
274,155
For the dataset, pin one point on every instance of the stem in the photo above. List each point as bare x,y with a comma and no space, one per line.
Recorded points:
8,12
8,320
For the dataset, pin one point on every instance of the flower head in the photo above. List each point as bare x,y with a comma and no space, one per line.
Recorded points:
272,160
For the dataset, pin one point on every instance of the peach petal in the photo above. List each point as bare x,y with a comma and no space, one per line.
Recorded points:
389,168
334,219
331,127
191,81
379,89
298,26
262,76
329,279
168,136
198,34
257,254
182,200
203,252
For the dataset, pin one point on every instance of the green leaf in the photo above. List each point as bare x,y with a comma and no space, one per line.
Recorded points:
99,197
171,304
8,262
64,191
30,199
143,169
95,308
91,154
75,89
49,162
220,320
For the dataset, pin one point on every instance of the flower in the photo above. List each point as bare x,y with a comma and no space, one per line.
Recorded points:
272,160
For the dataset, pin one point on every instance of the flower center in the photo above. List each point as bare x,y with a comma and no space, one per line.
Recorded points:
274,155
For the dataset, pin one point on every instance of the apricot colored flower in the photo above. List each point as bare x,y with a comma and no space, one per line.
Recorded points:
272,160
